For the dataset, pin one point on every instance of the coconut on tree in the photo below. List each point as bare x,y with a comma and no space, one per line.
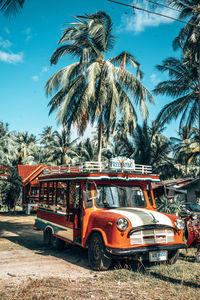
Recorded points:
94,88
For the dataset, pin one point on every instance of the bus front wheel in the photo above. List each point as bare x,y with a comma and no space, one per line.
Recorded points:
98,259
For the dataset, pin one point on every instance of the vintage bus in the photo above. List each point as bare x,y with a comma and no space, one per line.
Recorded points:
108,209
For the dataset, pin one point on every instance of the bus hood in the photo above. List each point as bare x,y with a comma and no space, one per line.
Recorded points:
141,217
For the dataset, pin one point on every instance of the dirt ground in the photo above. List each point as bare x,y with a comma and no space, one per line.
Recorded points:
23,256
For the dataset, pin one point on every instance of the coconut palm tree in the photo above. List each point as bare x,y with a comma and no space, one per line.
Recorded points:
188,38
183,86
180,146
10,187
194,148
8,152
26,145
57,149
46,142
87,150
149,146
95,89
11,6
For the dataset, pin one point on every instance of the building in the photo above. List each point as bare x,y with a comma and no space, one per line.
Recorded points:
30,184
188,187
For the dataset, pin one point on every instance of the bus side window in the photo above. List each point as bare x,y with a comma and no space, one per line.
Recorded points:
61,195
52,192
43,192
74,194
74,207
87,196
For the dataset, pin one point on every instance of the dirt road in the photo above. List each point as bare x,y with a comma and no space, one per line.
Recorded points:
30,271
23,256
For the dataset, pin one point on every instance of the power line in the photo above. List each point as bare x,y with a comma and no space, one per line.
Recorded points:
160,4
153,12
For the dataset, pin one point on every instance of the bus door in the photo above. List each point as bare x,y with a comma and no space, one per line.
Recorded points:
90,194
74,204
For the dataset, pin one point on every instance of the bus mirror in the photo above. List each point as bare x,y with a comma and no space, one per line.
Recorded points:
97,195
87,198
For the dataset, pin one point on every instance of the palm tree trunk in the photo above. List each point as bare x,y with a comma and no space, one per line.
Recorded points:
100,135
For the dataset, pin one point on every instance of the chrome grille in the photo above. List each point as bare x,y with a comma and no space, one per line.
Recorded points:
154,236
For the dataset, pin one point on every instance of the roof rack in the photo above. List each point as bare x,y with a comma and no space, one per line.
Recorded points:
114,166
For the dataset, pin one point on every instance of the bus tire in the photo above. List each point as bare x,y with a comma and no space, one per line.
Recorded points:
47,234
56,243
98,259
172,257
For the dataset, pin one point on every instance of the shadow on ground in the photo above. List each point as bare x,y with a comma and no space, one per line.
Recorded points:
22,234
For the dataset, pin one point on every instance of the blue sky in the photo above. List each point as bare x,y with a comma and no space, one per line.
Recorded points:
28,40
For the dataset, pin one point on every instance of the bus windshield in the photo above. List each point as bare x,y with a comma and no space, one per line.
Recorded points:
111,196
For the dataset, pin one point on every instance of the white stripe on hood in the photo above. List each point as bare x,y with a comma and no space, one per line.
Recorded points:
141,216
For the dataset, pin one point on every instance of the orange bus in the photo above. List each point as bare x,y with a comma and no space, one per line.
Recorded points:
108,209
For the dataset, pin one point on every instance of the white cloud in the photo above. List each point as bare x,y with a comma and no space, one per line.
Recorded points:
11,58
45,69
35,78
7,30
5,43
28,33
154,79
140,20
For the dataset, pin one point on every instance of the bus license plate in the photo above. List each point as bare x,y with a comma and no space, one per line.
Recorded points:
158,256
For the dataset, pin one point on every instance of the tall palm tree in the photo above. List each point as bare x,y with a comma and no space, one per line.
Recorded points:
47,135
87,150
180,146
194,148
183,86
188,38
58,149
8,152
25,146
46,142
11,6
10,187
93,88
149,146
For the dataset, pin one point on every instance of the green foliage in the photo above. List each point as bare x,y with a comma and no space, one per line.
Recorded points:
9,7
183,87
10,187
57,147
174,207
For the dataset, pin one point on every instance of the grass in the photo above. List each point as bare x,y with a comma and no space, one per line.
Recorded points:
180,281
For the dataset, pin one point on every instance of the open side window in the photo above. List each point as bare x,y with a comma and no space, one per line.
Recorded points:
87,195
74,203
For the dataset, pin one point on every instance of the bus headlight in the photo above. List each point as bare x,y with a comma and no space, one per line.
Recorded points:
122,224
180,224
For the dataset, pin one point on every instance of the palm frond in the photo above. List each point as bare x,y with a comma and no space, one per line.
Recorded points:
11,6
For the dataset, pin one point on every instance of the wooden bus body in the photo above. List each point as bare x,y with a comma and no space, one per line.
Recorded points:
112,213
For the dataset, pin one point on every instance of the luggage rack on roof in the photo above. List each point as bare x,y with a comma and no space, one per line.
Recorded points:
92,167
